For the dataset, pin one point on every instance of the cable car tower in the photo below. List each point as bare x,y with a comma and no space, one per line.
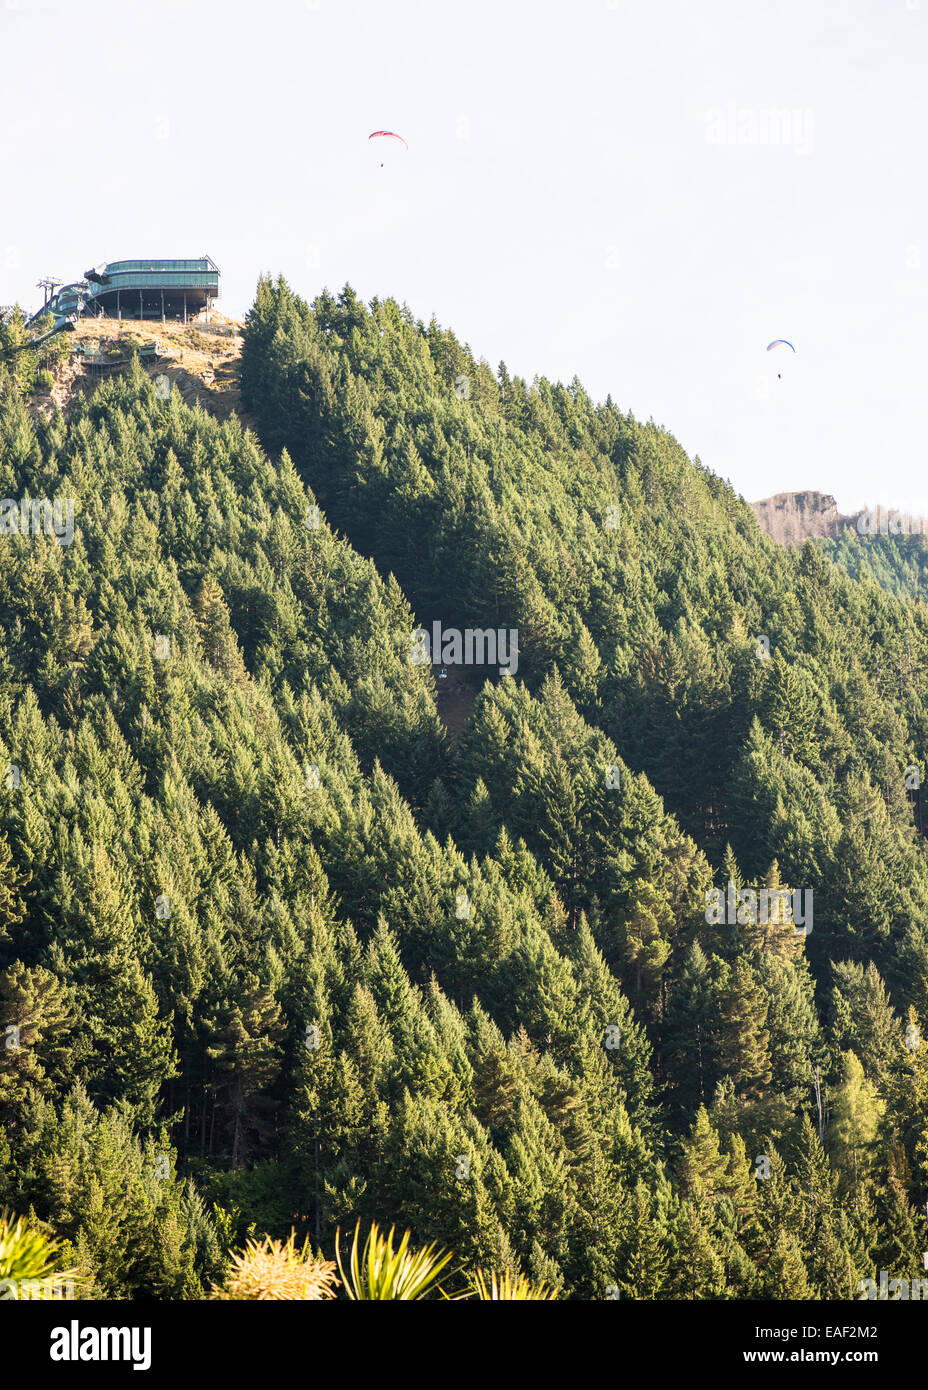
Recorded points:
49,285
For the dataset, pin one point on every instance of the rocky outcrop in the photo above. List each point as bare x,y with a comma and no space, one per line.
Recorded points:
793,517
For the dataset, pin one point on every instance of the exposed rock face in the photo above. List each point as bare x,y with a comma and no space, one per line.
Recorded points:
201,359
792,517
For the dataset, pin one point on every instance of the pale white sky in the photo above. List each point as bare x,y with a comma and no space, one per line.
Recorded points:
591,188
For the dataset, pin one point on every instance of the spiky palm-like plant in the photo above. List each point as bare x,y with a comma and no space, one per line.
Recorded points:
271,1270
28,1260
507,1286
381,1271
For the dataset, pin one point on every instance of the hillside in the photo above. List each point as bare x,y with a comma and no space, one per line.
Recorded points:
272,931
897,562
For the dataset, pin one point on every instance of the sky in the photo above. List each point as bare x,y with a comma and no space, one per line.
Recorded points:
638,194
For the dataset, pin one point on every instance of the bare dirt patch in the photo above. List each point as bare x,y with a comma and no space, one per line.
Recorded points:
201,359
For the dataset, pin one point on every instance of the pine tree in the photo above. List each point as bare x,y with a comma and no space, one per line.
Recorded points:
856,1114
790,712
121,1046
786,1276
644,1253
744,1040
697,1267
245,1050
34,1021
691,1023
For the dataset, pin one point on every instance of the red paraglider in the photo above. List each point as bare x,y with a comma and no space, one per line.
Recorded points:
387,135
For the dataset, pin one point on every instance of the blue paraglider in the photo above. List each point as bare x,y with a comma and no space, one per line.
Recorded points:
780,342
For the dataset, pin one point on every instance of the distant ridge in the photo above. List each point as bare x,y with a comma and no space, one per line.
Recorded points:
793,517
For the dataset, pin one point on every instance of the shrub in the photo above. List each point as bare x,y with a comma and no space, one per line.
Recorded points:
272,1270
28,1260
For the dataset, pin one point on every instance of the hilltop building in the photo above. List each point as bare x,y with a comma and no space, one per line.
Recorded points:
142,289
